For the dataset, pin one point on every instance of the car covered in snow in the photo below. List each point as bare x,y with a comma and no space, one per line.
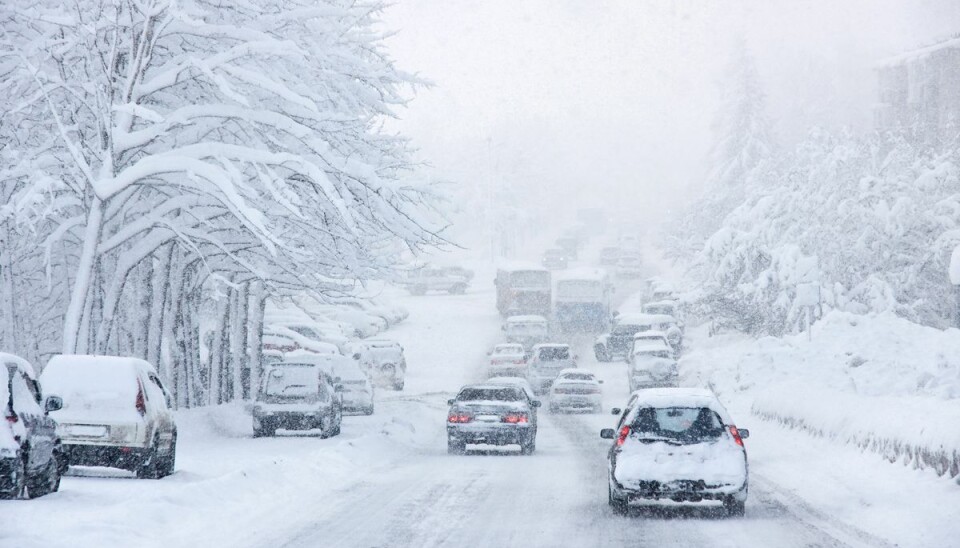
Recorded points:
31,456
652,365
651,337
526,330
507,359
385,362
678,445
610,256
629,266
448,280
575,390
546,362
618,342
554,259
116,412
491,414
358,390
666,307
297,394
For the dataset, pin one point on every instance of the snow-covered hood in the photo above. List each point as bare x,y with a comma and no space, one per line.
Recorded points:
717,463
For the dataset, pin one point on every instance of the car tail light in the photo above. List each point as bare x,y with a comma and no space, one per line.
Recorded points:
515,418
624,432
459,418
736,435
12,417
141,400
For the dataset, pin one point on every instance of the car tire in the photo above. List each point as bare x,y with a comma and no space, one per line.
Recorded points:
619,505
456,447
528,446
264,432
458,289
398,385
19,485
734,508
167,463
368,411
46,482
148,467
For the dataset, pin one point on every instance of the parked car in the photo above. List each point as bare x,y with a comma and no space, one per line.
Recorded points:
577,390
491,414
676,444
364,324
288,338
610,256
554,259
31,455
116,412
652,365
546,362
507,360
526,330
449,280
387,365
297,394
357,389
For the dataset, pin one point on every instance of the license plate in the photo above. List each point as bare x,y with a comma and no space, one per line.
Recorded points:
88,431
488,418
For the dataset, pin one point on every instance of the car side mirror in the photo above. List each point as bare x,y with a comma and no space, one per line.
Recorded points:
450,402
607,434
744,433
53,403
616,411
599,381
535,403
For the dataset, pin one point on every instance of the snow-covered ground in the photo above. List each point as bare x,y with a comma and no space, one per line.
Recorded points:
387,480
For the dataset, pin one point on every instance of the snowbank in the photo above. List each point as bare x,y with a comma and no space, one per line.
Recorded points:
878,382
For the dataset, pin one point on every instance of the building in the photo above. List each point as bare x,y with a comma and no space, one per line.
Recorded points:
920,93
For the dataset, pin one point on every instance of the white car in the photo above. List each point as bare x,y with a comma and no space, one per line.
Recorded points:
679,445
385,362
507,360
647,338
526,330
652,366
115,413
575,389
357,388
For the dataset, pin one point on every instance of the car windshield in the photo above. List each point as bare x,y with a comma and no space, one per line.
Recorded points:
294,381
651,354
490,394
532,279
553,353
626,330
683,424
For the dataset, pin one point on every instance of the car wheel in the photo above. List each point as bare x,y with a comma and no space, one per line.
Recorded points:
167,463
148,467
734,508
398,385
528,446
455,447
19,482
46,482
619,505
368,410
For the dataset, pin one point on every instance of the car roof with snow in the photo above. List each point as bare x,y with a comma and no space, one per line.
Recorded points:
652,334
526,318
510,346
550,345
513,381
22,364
83,360
575,371
518,266
634,318
650,346
680,397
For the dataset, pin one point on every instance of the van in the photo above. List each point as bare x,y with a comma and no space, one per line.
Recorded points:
116,412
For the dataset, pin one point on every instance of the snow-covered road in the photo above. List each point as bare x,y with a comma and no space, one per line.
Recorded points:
388,481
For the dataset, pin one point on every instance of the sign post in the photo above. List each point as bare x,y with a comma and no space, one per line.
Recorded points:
808,296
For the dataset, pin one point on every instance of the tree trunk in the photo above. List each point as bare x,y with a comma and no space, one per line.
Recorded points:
80,295
255,337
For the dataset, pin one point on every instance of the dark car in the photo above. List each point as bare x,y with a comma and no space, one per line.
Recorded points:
492,414
31,455
297,394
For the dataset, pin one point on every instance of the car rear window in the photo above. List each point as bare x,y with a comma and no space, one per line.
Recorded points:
683,424
555,353
577,377
490,394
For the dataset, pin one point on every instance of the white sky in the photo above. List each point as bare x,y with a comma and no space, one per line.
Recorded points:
569,102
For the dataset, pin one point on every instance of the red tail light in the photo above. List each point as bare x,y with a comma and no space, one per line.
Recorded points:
736,435
459,418
12,417
624,432
515,418
141,400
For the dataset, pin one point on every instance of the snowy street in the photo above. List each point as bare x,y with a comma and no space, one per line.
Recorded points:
388,481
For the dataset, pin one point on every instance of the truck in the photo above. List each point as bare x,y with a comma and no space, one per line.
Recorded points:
582,300
523,289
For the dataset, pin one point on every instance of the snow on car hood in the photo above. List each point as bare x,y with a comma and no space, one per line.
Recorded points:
719,462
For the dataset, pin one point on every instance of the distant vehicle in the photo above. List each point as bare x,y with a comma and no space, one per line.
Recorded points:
491,414
554,259
629,242
526,331
31,455
570,245
575,389
288,338
652,365
665,307
546,362
582,300
652,337
523,289
618,342
629,266
507,360
364,324
357,391
388,365
391,315
459,271
296,395
679,445
450,280
116,412
610,256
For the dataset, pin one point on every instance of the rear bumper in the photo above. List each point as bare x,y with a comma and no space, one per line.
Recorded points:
679,491
289,421
574,401
127,458
491,435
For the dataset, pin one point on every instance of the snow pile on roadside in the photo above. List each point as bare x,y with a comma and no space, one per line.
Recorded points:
878,382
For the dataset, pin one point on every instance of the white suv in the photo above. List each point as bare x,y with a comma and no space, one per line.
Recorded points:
115,413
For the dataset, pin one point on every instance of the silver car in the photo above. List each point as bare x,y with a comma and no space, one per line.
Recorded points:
546,362
679,445
491,414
